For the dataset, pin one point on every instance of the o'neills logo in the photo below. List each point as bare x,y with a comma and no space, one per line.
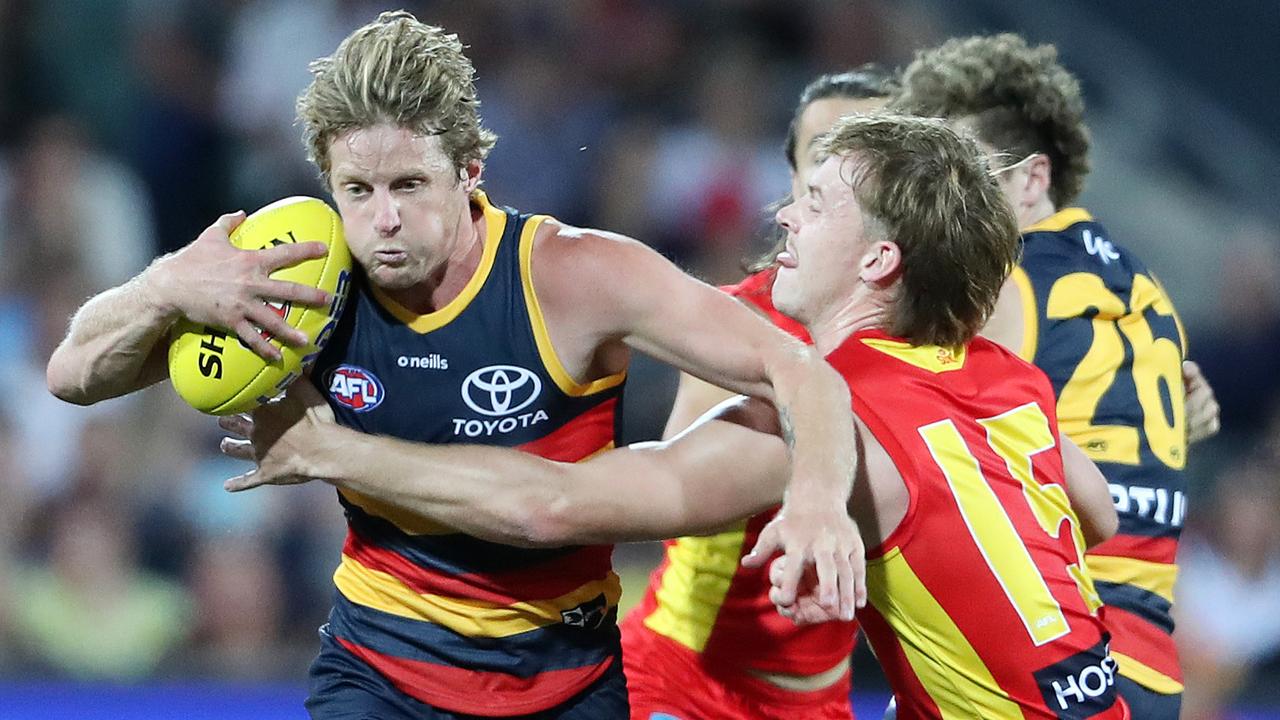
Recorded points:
499,392
434,361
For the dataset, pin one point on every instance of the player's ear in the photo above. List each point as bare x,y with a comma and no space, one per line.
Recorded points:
881,262
470,174
1039,175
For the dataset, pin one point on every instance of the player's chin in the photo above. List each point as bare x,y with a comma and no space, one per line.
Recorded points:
393,277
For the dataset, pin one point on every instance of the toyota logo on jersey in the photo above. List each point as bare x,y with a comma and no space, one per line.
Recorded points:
499,390
354,388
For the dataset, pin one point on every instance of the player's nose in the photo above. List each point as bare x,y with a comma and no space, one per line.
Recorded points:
386,214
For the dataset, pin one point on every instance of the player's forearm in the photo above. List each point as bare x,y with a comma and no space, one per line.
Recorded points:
496,494
107,347
817,424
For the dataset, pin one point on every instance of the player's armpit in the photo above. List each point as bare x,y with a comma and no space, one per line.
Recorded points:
1089,495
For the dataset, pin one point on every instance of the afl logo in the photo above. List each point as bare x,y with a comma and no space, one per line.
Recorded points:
499,390
354,388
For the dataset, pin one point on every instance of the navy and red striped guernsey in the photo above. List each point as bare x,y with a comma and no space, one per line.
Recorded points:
1101,326
456,622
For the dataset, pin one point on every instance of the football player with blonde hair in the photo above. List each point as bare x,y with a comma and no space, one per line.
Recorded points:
529,323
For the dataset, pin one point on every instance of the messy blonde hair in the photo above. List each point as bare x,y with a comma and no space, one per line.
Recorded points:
1021,99
400,71
927,189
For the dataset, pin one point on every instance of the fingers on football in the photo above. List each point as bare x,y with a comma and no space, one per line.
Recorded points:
230,221
295,293
251,338
264,317
274,258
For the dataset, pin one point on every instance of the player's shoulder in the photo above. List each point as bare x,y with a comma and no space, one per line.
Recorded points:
556,242
1073,240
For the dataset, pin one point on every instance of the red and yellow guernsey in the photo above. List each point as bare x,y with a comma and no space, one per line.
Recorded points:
453,621
979,604
702,598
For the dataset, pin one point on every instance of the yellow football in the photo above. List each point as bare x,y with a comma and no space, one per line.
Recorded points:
209,366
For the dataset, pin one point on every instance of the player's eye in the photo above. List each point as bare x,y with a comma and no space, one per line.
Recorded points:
410,184
355,190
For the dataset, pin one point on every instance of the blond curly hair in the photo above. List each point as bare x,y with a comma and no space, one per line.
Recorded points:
399,71
1021,99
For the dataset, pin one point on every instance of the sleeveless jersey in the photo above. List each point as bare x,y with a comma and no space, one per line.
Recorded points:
978,606
701,597
1099,324
453,621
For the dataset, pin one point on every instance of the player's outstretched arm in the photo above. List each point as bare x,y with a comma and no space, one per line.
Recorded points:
1089,495
114,345
721,470
628,291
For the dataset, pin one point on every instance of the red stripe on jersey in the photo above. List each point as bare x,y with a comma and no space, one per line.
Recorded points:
912,698
577,438
1138,547
1142,641
542,581
475,692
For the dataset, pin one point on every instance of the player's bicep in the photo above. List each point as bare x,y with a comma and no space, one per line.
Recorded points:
678,319
1089,495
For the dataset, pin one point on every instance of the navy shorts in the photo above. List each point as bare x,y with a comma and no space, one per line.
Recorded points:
343,687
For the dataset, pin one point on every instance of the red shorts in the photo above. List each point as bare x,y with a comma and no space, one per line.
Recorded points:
668,681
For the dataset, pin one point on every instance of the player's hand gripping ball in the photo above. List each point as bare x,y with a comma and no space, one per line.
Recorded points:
209,366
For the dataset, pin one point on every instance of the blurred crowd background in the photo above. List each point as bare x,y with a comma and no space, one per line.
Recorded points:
127,126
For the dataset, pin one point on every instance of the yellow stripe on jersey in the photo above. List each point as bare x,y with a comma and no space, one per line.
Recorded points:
495,223
942,659
994,532
547,351
1157,578
472,618
1146,676
694,585
1030,315
1060,220
934,358
405,521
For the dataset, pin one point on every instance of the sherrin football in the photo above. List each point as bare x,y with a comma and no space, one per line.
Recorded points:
209,366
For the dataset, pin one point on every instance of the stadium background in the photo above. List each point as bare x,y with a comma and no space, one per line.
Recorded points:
132,586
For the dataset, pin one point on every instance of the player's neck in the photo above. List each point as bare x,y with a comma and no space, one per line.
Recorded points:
830,329
1040,210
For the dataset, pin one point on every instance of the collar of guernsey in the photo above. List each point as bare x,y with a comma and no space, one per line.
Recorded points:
454,621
